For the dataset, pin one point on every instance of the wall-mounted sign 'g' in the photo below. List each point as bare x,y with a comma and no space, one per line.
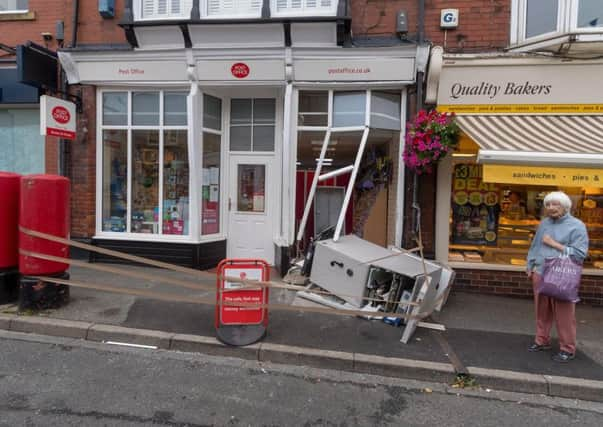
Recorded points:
240,70
57,117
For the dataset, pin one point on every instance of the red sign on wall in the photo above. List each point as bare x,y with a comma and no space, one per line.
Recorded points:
240,70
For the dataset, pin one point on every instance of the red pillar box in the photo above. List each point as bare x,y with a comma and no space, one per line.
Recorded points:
44,208
235,325
9,236
9,219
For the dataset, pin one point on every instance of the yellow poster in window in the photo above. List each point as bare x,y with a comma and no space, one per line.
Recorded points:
541,175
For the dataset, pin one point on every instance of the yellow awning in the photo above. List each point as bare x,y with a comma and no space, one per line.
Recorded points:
537,140
542,175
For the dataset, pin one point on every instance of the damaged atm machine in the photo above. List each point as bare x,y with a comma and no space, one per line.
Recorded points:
360,275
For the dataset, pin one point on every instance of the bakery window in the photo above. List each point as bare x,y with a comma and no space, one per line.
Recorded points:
494,221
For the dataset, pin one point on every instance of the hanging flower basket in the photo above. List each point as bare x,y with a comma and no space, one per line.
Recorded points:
429,137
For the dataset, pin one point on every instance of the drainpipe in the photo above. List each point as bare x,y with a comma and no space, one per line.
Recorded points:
74,23
416,217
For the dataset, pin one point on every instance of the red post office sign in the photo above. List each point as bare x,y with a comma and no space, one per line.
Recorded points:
57,117
240,70
245,324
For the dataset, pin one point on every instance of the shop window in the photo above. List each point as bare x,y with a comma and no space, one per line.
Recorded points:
174,113
115,180
212,112
494,222
385,110
145,181
211,184
21,145
115,108
175,182
349,109
313,108
145,109
252,124
157,171
212,152
14,5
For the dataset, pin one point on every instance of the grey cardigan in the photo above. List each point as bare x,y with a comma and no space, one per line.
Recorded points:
567,230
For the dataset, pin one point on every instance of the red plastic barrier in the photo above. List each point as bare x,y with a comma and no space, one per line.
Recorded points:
45,208
9,219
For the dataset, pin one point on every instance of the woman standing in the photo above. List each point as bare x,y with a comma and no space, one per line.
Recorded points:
559,233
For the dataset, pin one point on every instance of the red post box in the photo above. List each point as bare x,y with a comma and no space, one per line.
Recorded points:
45,208
9,219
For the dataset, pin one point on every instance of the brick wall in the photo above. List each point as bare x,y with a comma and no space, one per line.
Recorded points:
81,161
483,25
515,283
44,14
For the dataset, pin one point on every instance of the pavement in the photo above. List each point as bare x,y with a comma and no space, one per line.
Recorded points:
485,337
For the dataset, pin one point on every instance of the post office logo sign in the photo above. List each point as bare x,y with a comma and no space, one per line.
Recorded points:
240,70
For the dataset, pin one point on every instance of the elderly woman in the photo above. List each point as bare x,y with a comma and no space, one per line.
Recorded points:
558,233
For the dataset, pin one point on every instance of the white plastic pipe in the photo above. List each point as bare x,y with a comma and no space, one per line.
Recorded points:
335,173
310,200
348,193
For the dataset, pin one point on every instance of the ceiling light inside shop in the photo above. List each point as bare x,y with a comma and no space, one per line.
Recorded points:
464,154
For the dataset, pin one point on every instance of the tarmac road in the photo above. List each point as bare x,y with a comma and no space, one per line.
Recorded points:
47,381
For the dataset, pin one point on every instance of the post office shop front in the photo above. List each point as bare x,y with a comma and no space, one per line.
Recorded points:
525,132
201,153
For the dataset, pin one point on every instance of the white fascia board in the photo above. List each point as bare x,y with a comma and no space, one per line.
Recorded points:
357,52
540,158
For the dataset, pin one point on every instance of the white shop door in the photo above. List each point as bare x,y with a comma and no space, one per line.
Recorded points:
252,206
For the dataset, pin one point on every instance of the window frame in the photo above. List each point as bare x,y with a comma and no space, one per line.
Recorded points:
304,11
129,128
252,124
12,11
567,22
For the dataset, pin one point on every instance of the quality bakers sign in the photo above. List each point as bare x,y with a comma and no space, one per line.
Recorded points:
57,117
504,87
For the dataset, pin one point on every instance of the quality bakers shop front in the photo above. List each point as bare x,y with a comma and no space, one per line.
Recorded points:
529,126
205,147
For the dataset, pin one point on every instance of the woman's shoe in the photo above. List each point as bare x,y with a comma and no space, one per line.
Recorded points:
539,347
563,357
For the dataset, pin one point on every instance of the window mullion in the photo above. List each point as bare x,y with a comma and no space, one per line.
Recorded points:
130,163
252,125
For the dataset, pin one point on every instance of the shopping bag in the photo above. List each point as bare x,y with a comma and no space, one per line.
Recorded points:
561,279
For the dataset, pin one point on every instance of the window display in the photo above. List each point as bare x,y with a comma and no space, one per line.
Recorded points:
157,169
175,182
211,184
493,222
145,181
115,180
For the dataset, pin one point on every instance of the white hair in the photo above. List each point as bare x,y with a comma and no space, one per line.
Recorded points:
560,197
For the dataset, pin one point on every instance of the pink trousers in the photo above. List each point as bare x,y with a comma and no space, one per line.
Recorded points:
562,312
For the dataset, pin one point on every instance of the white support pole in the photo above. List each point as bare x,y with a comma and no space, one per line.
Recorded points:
348,193
302,225
335,173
